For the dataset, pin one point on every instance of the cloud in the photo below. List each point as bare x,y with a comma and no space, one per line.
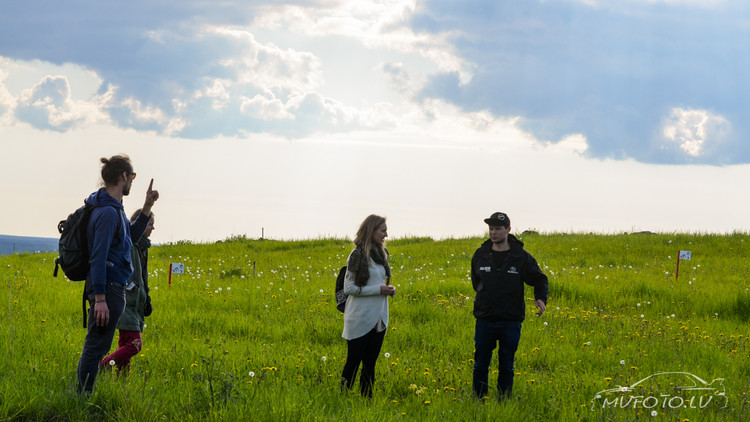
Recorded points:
575,144
187,68
7,101
697,132
48,105
375,24
605,71
608,73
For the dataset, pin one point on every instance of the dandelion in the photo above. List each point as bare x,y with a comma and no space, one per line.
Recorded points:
654,413
112,363
323,358
321,290
229,288
251,373
387,355
622,362
545,323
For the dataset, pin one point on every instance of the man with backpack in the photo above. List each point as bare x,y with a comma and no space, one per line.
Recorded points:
110,237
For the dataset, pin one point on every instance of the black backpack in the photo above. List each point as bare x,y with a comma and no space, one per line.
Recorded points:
73,245
74,248
340,295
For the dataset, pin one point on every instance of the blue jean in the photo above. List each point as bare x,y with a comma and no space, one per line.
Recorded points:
99,339
487,335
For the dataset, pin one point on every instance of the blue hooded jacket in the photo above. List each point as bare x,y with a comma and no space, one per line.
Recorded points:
109,238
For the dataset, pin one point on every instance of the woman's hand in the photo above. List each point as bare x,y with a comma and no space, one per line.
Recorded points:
387,290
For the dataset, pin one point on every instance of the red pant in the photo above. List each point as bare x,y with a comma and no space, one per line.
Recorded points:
129,344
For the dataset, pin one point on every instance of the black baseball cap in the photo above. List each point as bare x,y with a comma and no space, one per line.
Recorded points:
498,219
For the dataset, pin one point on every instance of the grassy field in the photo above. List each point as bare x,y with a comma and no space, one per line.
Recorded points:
250,332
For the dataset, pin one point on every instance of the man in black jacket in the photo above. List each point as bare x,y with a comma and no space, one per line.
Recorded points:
499,269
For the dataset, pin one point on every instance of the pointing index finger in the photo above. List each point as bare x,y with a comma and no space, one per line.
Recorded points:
151,185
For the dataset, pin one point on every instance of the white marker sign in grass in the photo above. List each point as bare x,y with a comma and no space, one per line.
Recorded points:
680,256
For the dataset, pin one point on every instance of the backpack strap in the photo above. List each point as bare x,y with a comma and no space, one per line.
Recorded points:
83,306
86,286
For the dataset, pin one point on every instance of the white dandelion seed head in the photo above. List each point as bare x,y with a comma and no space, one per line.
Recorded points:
622,362
654,413
321,290
252,374
387,355
323,358
112,363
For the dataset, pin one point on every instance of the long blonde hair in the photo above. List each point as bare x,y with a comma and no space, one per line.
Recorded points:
363,240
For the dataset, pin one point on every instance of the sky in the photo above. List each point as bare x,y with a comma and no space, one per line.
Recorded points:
297,119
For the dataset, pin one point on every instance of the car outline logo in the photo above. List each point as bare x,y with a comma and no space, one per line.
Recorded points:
716,387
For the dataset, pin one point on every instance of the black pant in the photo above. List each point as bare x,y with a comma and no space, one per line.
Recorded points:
364,349
99,339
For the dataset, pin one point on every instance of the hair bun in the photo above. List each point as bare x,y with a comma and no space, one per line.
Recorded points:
104,160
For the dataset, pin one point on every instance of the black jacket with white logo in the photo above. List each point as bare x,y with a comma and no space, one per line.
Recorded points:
500,291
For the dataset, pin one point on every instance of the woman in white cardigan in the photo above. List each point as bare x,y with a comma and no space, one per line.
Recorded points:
367,283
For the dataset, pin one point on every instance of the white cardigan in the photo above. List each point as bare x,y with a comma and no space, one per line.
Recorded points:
365,306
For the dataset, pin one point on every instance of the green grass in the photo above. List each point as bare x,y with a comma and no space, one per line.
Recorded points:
616,315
